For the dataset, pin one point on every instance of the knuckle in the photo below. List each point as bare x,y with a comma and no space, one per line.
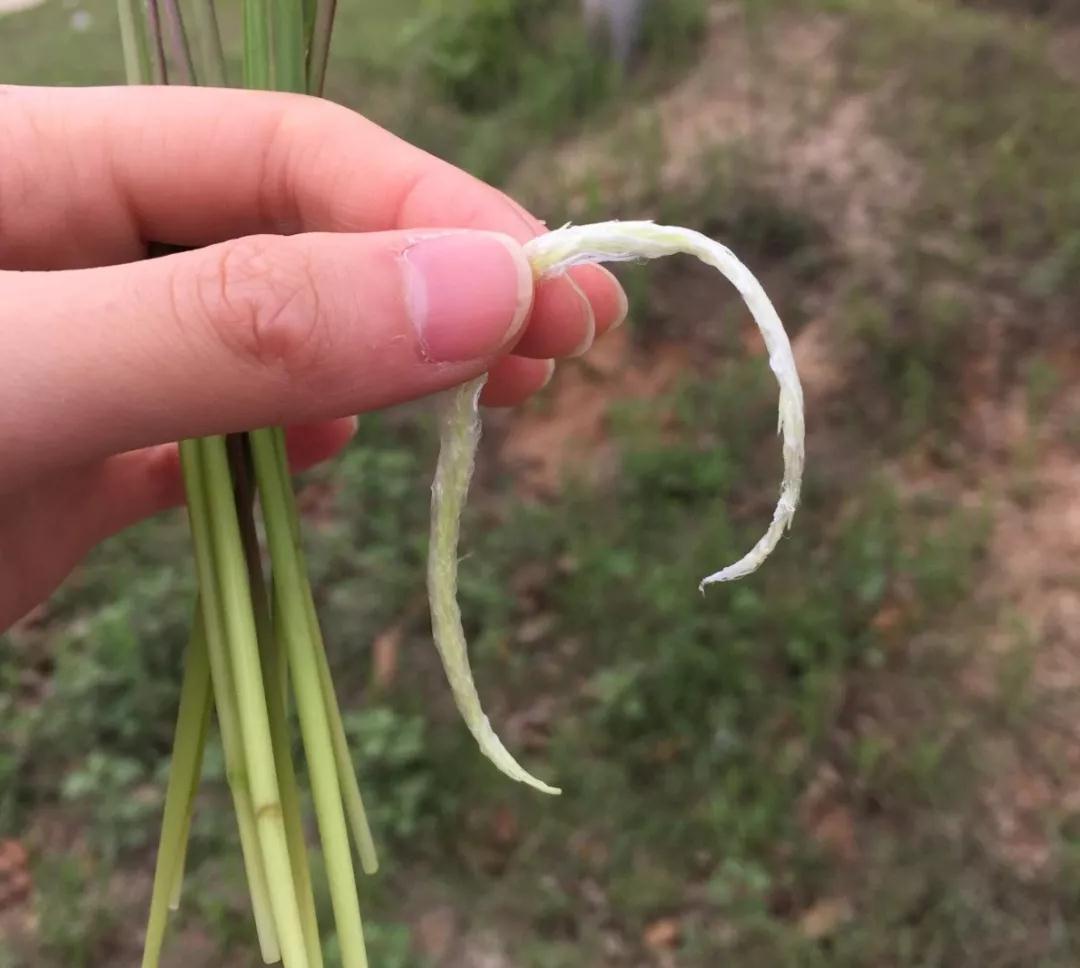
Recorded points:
301,140
260,297
20,142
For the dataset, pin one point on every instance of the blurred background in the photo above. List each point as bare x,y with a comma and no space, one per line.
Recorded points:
867,754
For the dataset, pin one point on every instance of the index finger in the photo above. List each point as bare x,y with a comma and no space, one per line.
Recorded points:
194,166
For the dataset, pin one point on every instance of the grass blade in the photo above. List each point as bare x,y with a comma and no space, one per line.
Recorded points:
319,46
289,46
354,802
159,69
224,696
257,56
180,46
133,41
211,52
311,10
243,648
290,805
314,722
178,878
184,773
270,653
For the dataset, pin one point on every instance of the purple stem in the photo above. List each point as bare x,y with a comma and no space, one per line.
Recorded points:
319,52
179,43
157,43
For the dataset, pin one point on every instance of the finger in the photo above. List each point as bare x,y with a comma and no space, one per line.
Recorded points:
604,294
141,483
513,379
96,172
575,315
572,326
311,444
80,507
263,331
194,166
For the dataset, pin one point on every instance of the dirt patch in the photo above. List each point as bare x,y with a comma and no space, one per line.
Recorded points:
772,121
777,112
567,433
1064,49
1030,657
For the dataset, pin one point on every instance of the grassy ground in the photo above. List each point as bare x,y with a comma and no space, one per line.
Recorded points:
800,769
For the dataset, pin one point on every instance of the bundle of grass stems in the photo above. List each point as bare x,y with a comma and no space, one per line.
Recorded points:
256,649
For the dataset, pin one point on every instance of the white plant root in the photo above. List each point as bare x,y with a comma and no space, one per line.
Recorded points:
459,432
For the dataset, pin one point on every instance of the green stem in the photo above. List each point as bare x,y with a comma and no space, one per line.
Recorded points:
254,717
133,41
241,474
178,879
311,10
257,56
179,793
290,804
319,48
270,652
314,722
354,802
224,696
289,46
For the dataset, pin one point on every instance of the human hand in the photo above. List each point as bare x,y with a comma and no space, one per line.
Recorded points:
382,274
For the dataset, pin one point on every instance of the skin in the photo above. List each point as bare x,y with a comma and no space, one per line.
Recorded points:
303,318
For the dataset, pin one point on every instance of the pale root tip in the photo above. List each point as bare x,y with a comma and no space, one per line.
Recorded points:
492,747
738,570
529,780
544,788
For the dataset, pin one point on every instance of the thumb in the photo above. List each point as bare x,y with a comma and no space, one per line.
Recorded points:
259,331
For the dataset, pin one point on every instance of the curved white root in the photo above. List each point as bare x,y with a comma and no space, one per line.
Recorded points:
459,431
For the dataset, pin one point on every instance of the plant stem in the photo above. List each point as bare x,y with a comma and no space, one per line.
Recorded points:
180,46
354,802
178,878
184,772
319,47
289,46
224,696
270,652
159,66
240,472
257,50
211,52
133,41
311,11
314,723
290,803
255,733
